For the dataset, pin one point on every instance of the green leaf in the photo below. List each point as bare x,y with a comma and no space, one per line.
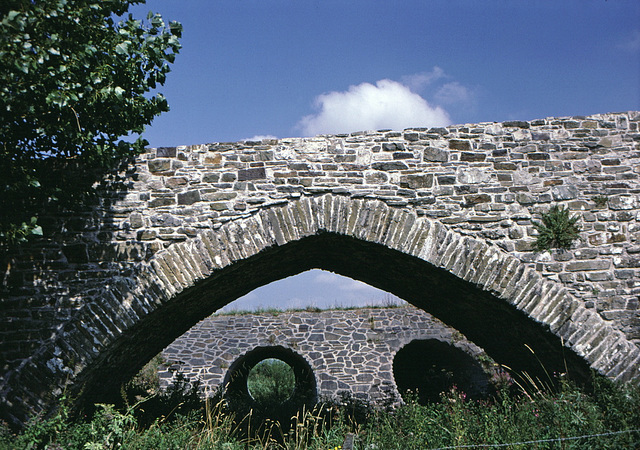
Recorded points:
157,21
122,48
71,88
11,15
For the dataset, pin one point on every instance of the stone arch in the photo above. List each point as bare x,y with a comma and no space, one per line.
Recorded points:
236,392
428,367
493,298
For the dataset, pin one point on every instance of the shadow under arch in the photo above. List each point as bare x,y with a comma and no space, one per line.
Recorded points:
491,297
427,368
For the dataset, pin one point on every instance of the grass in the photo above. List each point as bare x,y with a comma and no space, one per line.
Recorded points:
554,419
386,304
271,382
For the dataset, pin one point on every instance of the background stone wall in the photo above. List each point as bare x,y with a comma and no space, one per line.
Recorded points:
348,350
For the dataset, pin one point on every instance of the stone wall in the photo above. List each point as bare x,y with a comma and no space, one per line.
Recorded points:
488,180
350,351
192,228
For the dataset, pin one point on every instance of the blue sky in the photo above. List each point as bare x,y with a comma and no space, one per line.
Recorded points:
288,68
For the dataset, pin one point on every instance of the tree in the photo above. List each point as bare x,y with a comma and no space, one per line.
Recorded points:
75,77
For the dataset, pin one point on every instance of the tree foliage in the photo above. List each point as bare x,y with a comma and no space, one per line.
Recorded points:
75,78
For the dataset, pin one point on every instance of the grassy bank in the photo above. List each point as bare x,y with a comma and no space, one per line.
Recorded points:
563,418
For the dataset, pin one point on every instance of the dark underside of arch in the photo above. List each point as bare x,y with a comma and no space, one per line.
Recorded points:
426,368
492,323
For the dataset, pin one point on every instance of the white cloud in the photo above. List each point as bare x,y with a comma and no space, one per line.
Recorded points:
341,283
419,81
355,286
453,92
318,288
322,276
260,137
387,104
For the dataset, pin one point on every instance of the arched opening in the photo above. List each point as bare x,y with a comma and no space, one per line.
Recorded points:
427,368
237,393
493,324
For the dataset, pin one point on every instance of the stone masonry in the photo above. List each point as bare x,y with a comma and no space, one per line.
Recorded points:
442,217
349,351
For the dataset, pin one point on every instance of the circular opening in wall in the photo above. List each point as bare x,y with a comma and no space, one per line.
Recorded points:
427,368
271,382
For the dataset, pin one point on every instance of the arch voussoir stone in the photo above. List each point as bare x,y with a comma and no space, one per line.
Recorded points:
340,214
165,265
624,353
421,235
540,292
600,332
209,240
409,233
232,250
514,280
392,238
545,311
355,209
464,256
381,223
301,217
503,270
487,266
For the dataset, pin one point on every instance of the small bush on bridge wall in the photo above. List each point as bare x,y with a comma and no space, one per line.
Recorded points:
558,229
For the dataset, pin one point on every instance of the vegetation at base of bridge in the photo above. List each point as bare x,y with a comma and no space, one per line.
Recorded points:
271,382
564,417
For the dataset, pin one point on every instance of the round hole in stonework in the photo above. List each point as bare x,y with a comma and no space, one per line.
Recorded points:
424,369
271,382
242,396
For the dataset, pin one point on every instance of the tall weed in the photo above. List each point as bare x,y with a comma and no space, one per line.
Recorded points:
540,419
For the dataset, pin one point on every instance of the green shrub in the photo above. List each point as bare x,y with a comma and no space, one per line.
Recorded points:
271,382
558,229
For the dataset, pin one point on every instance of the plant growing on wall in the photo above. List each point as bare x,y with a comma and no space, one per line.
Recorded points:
558,229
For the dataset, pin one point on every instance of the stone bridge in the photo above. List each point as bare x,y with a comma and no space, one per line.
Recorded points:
373,354
441,217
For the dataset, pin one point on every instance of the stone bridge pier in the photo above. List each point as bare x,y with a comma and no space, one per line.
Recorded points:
441,217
